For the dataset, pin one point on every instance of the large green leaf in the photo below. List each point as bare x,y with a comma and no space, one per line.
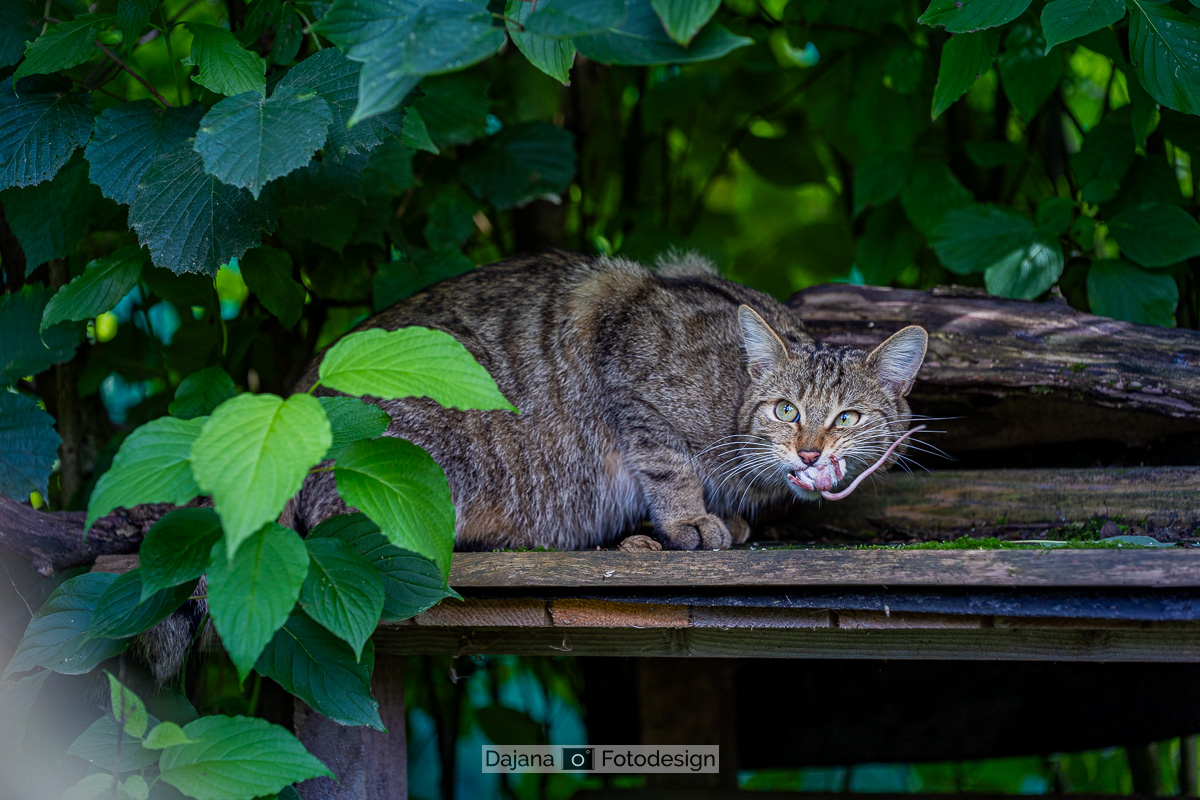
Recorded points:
350,420
253,455
251,593
62,46
641,41
1121,290
236,758
343,591
24,348
199,394
268,273
1028,76
1156,234
1017,259
1164,46
133,16
521,163
18,25
552,56
225,66
399,279
50,218
190,220
101,286
454,110
319,668
248,140
410,362
965,57
965,16
880,177
28,446
98,746
122,611
569,18
683,19
57,636
1064,20
932,191
127,139
411,583
177,548
404,491
39,129
152,466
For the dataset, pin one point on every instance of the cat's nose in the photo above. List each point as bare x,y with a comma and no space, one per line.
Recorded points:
809,457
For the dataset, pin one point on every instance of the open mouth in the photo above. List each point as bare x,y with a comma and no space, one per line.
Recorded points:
822,477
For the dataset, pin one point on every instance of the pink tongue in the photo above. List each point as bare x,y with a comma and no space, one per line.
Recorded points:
854,484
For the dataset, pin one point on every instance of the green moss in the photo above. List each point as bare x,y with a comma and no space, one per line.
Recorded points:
1077,367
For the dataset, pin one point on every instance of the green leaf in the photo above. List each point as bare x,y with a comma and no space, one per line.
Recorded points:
251,592
201,392
127,705
319,668
125,609
401,488
268,273
1121,290
49,219
784,161
101,286
410,362
1104,159
641,41
1017,259
411,583
965,57
190,220
1164,46
990,155
248,140
522,163
932,191
1064,20
177,548
880,177
564,19
24,348
98,786
397,280
129,137
1028,76
18,25
225,66
252,457
887,246
152,466
1156,234
683,19
335,80
64,45
1054,215
236,758
342,592
163,735
39,129
56,637
552,56
28,446
965,16
133,16
415,134
98,746
351,419
289,36
454,109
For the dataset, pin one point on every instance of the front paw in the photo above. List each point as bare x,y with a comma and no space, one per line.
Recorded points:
739,529
705,532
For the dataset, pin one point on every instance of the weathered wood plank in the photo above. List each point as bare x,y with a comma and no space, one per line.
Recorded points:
763,569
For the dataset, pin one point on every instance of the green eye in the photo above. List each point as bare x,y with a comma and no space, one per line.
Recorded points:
846,419
786,412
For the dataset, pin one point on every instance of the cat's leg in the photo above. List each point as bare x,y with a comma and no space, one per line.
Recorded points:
739,529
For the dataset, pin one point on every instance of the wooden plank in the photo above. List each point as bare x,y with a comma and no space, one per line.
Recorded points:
965,645
598,571
604,614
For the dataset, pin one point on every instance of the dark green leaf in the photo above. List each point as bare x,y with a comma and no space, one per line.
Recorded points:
641,40
1016,258
18,25
251,593
351,420
683,19
236,757
62,46
319,668
122,612
454,110
1119,289
28,446
552,56
1164,46
322,184
268,273
101,286
39,129
98,746
990,155
1064,20
1028,76
522,163
415,134
880,177
964,58
888,245
56,638
225,66
1156,234
191,221
201,392
570,18
332,226
390,168
397,280
1054,215
49,219
930,193
24,348
342,592
965,16
177,548
1105,157
127,139
289,35
133,16
784,161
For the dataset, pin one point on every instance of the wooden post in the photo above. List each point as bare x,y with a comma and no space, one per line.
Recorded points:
370,765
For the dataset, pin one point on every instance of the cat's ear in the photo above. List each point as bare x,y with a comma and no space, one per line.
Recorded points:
764,348
897,360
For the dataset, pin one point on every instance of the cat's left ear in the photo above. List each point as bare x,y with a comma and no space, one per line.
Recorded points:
897,360
764,349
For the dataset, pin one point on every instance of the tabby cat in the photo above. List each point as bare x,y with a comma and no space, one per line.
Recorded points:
669,393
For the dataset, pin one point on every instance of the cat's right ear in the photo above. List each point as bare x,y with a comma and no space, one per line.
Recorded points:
764,349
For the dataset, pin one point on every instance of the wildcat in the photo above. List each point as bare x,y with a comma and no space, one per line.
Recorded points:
669,393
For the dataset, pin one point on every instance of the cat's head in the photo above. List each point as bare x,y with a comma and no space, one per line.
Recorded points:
823,415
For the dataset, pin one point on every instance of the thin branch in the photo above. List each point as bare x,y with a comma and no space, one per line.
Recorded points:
117,60
91,88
